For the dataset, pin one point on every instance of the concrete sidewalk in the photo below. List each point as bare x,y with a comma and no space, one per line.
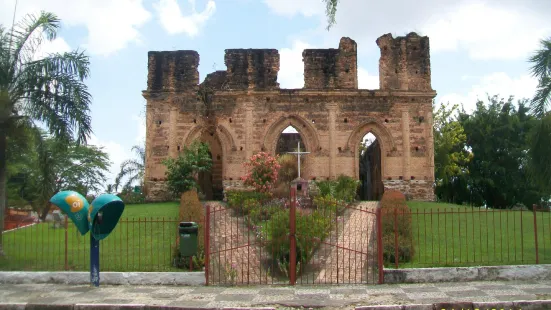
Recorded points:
349,297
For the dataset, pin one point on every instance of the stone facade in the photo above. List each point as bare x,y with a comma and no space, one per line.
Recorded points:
246,111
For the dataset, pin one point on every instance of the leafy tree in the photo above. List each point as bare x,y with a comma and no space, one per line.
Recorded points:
450,155
498,136
540,143
131,169
49,90
54,165
182,171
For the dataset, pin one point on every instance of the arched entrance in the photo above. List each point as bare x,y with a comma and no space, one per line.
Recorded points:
371,184
288,141
210,183
377,153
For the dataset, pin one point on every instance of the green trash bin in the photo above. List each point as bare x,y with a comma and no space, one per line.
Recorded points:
188,238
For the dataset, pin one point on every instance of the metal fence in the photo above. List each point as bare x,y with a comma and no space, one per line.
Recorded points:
136,244
291,245
472,236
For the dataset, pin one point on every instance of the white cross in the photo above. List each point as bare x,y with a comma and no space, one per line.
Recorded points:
298,152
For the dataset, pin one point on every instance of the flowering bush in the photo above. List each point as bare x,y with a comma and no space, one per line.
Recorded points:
262,172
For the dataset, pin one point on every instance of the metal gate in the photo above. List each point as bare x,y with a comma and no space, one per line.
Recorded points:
296,246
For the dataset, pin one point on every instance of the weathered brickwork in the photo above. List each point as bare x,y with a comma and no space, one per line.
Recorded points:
247,111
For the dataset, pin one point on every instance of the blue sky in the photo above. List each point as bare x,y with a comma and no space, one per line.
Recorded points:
477,46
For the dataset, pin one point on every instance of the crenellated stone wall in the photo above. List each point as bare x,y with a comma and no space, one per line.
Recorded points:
248,111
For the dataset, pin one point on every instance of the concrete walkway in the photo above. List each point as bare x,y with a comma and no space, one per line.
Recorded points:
496,294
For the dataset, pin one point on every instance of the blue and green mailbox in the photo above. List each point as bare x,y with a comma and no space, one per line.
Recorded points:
100,218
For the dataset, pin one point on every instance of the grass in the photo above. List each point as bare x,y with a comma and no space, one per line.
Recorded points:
142,241
452,235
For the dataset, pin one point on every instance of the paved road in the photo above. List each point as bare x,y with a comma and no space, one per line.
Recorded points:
279,296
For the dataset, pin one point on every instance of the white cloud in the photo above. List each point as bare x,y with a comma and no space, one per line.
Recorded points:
497,83
291,72
485,29
174,22
117,154
140,121
59,45
111,25
366,81
293,7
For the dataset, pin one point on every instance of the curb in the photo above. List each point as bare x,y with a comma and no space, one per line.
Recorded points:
508,305
37,306
462,274
106,278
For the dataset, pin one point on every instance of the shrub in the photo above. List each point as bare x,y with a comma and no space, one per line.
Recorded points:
132,198
182,171
328,204
288,170
346,188
343,188
264,212
236,199
282,190
311,229
396,218
262,172
325,188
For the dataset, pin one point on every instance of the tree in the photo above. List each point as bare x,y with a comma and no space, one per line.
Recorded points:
498,135
182,171
540,160
54,165
50,90
451,157
131,169
330,12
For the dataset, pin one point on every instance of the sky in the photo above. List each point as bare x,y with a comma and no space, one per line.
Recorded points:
478,47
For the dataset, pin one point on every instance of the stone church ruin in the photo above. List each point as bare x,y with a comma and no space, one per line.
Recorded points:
242,111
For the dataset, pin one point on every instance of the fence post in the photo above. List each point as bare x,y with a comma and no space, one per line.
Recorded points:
396,237
207,243
293,241
380,264
534,208
66,244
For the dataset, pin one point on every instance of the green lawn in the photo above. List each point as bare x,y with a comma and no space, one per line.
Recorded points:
142,241
451,235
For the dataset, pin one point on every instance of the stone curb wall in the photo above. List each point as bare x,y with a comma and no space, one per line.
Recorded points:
463,274
37,306
106,278
512,305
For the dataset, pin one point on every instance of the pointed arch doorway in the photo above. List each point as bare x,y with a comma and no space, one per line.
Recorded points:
371,183
210,182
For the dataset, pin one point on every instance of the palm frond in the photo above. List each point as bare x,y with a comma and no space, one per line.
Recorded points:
542,98
330,12
140,151
52,91
25,30
541,60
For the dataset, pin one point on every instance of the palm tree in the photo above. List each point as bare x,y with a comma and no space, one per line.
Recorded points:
48,90
330,12
132,169
541,148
